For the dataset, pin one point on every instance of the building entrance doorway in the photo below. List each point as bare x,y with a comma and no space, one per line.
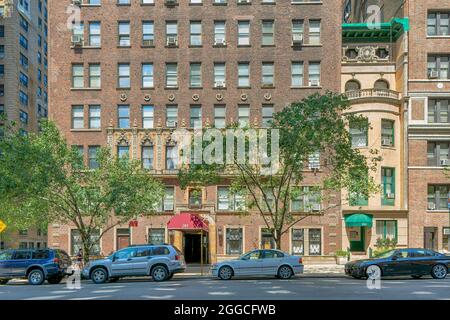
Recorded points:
123,239
192,244
356,237
430,238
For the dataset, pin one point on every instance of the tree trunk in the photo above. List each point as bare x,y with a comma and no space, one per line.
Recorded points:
87,246
277,238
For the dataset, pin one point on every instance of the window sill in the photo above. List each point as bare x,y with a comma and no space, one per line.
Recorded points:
85,130
195,88
147,88
142,46
219,45
85,89
85,47
437,211
389,147
123,47
123,88
195,46
170,88
171,47
307,87
439,37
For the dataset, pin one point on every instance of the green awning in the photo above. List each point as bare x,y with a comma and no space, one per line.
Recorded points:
379,32
358,220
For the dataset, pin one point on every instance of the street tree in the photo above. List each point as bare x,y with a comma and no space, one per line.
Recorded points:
44,180
313,140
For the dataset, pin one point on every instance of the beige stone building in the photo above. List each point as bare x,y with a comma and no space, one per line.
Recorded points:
23,82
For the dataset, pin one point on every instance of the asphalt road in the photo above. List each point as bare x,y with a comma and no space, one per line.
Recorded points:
300,288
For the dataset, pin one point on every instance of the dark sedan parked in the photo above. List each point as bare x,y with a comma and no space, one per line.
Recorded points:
401,262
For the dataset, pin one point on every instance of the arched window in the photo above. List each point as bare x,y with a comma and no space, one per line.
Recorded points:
381,84
352,85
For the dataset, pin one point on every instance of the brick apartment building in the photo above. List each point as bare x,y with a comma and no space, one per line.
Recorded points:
135,70
429,123
23,84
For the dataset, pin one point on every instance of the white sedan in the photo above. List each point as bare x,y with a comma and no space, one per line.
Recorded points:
260,263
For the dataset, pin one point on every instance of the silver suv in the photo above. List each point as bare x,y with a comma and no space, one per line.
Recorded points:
160,262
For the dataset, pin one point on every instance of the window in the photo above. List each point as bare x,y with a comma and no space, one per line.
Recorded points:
359,135
438,153
386,229
388,187
438,197
195,198
195,33
2,51
219,116
297,74
23,117
243,33
77,117
2,31
387,133
234,238
147,157
94,76
305,199
195,75
92,154
23,41
196,116
297,31
268,33
267,115
124,75
148,35
168,201
268,74
171,75
123,1
124,34
352,85
227,201
95,34
123,116
147,75
314,31
219,33
123,152
298,241
244,115
439,111
171,114
94,117
314,73
156,236
438,24
76,243
171,33
438,66
147,116
267,240
219,75
23,78
77,76
243,74
315,242
171,157
23,61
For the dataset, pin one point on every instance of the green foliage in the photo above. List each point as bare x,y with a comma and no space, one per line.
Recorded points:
318,123
384,245
44,180
342,253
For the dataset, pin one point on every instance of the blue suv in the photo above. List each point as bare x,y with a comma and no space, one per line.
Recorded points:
36,265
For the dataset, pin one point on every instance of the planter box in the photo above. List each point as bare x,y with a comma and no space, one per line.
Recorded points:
341,260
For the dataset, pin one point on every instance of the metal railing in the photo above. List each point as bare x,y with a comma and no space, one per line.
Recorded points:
373,93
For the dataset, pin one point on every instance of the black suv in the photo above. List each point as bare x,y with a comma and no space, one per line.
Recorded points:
36,265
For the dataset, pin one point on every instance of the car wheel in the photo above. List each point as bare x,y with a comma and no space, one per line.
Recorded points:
159,273
4,281
439,271
36,277
99,276
285,272
170,276
373,272
416,276
54,280
114,279
225,273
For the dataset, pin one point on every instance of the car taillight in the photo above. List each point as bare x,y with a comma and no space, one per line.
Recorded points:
56,260
177,257
300,260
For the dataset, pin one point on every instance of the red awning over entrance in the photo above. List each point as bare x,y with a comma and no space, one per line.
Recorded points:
187,221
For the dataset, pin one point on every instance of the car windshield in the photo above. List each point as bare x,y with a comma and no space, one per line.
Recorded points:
386,254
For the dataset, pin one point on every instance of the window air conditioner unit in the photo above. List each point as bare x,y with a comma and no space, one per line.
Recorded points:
386,142
297,39
220,84
172,41
171,124
445,162
314,83
171,3
431,206
220,42
433,75
316,207
243,1
77,40
77,2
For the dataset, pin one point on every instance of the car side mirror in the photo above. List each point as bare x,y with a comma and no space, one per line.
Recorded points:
114,258
394,258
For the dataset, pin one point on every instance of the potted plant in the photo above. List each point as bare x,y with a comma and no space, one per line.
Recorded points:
342,257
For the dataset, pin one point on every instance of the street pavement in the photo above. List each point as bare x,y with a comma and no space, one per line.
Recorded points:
184,287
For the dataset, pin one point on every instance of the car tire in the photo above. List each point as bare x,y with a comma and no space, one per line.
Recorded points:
285,273
439,271
36,277
170,276
54,280
159,273
373,272
357,277
3,281
225,273
416,276
114,279
99,275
